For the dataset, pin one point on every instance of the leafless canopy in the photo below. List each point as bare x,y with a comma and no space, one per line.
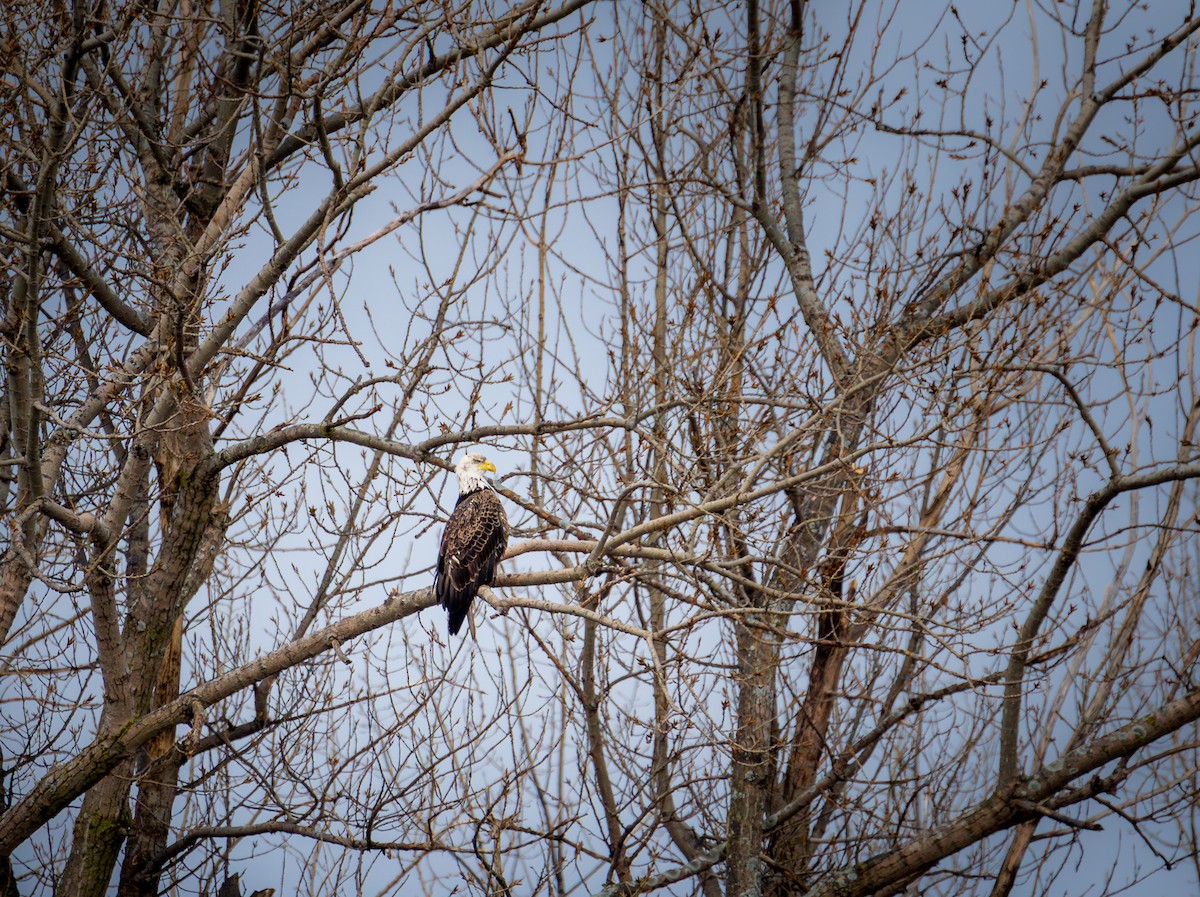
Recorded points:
840,368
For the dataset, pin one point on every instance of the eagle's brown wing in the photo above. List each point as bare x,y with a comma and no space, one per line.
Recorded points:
472,545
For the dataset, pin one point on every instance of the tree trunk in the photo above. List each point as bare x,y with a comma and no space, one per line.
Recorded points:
99,831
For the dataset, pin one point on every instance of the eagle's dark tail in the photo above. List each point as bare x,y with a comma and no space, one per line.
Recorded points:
456,601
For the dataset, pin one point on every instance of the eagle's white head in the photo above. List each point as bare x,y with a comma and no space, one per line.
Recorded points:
473,469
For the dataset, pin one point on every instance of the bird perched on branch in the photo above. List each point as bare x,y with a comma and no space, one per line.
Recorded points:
474,540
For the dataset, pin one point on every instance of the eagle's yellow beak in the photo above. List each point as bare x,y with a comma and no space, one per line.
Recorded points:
488,465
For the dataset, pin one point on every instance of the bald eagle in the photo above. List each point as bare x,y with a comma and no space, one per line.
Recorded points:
474,540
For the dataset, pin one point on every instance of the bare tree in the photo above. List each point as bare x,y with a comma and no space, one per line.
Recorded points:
842,365
144,145
932,400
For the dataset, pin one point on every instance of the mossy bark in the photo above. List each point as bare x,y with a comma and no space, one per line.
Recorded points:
99,832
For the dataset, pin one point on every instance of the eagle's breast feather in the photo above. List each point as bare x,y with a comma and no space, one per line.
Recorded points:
472,545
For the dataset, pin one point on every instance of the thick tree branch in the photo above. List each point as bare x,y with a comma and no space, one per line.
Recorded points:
66,781
1093,505
1001,810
